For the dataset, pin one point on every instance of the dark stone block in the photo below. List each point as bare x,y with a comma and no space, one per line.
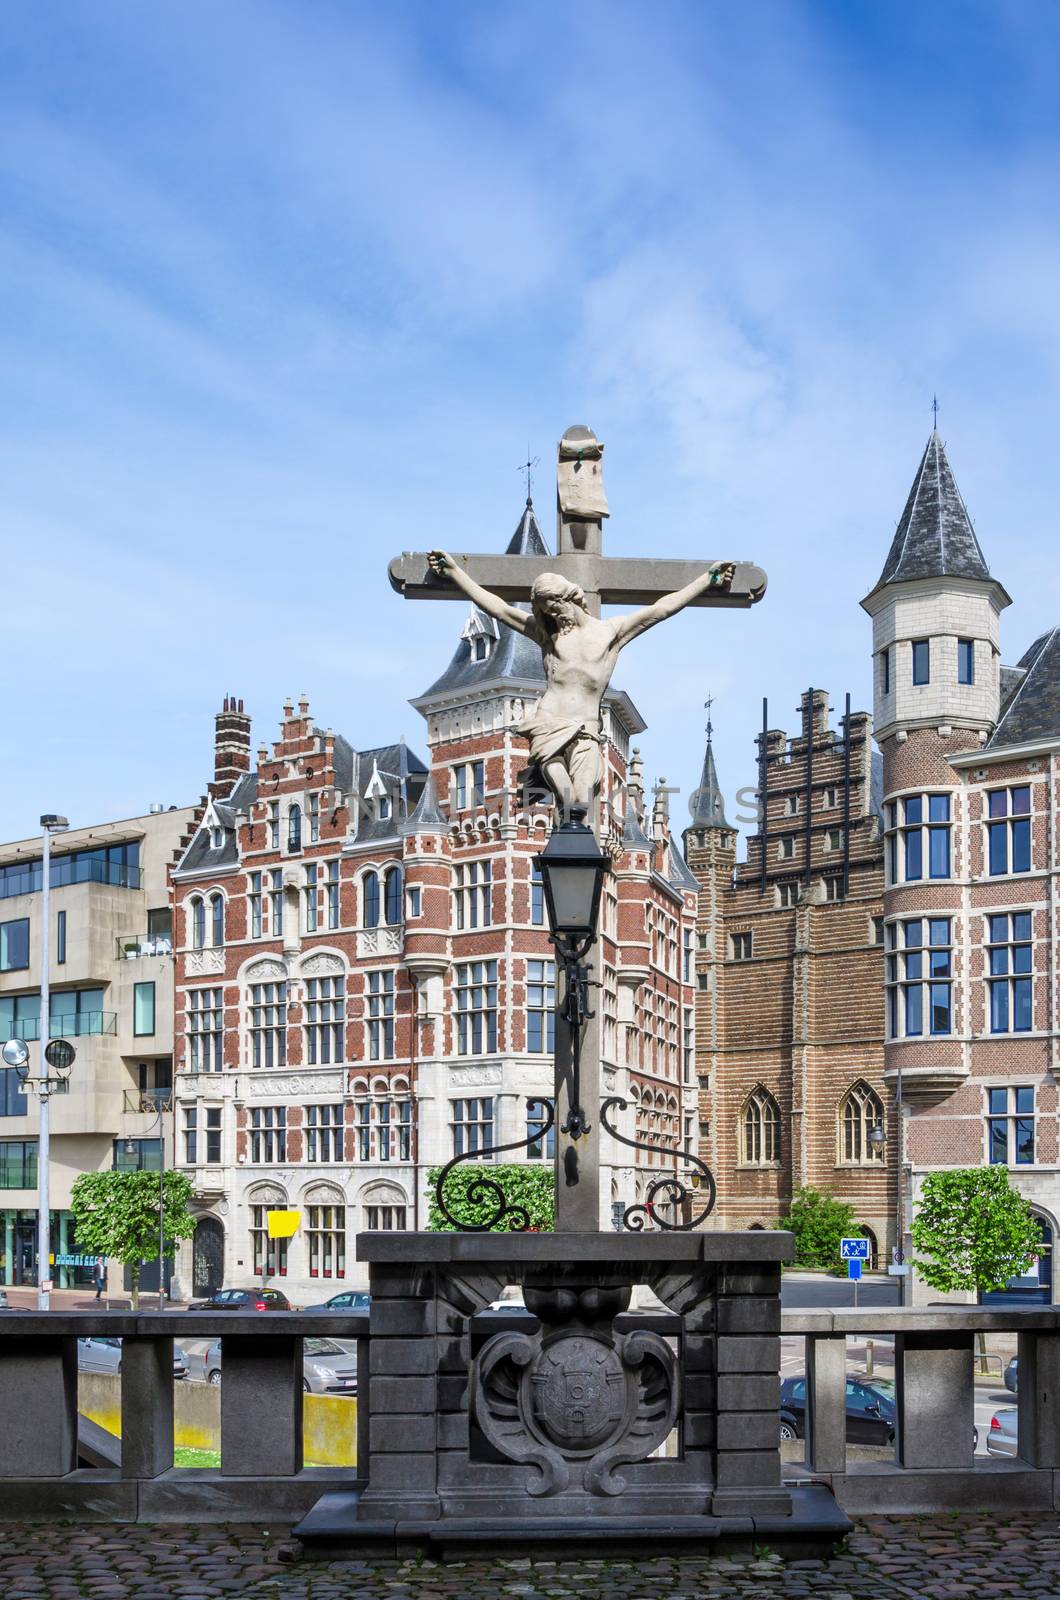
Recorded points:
454,1431
402,1318
698,1352
402,1394
748,1391
414,1472
452,1393
744,1468
749,1314
748,1430
402,1357
750,1353
746,1278
699,1431
398,1435
700,1393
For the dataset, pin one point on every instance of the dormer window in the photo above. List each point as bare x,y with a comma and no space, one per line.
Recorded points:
217,838
480,648
386,810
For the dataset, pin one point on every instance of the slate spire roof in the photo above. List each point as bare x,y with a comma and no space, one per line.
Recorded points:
708,803
527,540
934,537
1031,711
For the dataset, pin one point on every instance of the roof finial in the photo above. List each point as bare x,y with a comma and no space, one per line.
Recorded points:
708,702
528,466
935,412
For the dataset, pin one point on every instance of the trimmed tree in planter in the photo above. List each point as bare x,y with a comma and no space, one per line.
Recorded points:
531,1186
116,1215
818,1221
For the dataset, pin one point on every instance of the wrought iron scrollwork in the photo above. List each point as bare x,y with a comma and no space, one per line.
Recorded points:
484,1190
576,1013
667,1189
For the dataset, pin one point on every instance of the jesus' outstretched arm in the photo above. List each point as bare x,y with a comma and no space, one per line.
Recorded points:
443,565
636,622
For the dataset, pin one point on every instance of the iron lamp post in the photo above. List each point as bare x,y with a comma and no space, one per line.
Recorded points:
572,867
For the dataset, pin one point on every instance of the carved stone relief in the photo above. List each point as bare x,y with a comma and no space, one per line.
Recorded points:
200,963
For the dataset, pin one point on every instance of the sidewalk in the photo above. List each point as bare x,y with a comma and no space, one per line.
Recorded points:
85,1300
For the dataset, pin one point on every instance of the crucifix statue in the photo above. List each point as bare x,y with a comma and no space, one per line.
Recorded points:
579,649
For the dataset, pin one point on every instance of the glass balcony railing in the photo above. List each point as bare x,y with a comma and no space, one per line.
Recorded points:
132,946
73,1025
67,870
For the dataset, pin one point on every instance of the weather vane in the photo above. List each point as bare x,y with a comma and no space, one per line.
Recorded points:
528,466
708,702
935,409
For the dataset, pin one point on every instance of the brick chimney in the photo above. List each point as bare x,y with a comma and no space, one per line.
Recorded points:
231,747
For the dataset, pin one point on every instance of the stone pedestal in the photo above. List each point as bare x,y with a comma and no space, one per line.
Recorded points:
578,1417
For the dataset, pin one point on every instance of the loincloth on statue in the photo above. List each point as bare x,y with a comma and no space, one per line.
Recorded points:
549,740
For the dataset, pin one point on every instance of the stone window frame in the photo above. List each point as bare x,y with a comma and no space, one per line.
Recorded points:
1010,1115
1009,978
738,950
786,847
918,967
860,1110
760,1130
1010,824
904,836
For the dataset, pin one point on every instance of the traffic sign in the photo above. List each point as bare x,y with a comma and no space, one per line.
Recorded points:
853,1249
854,1267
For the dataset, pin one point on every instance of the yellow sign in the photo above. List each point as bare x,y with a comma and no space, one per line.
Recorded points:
283,1224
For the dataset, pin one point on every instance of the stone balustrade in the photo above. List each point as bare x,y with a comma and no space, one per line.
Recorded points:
934,1467
262,1472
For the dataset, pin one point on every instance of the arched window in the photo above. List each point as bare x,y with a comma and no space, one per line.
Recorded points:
217,919
760,1130
860,1113
294,828
198,923
393,896
371,900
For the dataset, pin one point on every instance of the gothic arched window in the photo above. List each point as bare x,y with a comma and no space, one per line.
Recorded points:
861,1111
217,919
760,1130
198,923
294,828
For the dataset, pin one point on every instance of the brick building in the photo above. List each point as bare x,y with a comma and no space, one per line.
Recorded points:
971,753
365,984
789,968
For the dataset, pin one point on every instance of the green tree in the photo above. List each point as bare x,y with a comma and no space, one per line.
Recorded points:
530,1185
116,1215
818,1221
976,1232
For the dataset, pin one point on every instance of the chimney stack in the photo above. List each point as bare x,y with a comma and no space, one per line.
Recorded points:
231,747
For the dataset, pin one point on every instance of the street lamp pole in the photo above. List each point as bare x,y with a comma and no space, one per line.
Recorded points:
49,824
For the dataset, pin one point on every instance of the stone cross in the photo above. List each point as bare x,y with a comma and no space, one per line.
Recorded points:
639,582
604,580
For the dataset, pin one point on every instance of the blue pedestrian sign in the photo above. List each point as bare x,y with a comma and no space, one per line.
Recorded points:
854,1268
853,1250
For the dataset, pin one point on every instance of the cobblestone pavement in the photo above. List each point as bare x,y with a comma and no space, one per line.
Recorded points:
931,1558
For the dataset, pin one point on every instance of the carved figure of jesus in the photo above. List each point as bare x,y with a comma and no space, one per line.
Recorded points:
579,652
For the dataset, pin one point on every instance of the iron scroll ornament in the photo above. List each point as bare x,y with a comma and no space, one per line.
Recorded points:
669,1190
483,1189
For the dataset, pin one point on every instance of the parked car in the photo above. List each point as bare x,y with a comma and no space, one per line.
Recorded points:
871,1410
1001,1440
327,1368
104,1355
243,1300
349,1300
1012,1375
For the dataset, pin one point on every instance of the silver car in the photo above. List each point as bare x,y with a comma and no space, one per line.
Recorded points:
327,1367
104,1355
1002,1437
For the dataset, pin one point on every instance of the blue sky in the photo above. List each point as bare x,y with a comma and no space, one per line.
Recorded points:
287,288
